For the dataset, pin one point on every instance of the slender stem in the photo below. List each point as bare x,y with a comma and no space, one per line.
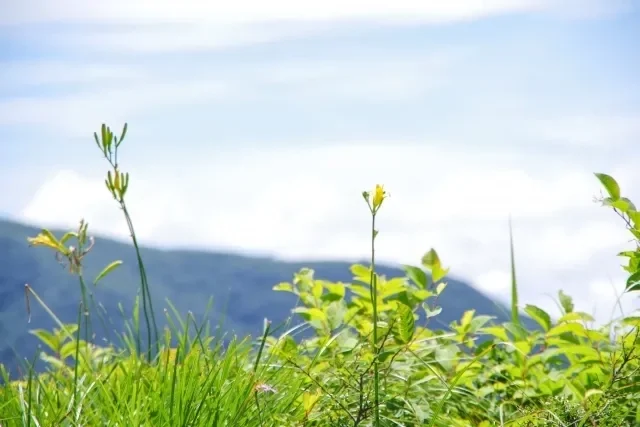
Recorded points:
374,294
146,296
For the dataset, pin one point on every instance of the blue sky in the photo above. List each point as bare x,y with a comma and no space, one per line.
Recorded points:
255,127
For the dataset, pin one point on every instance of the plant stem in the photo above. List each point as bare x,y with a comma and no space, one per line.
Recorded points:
144,285
374,298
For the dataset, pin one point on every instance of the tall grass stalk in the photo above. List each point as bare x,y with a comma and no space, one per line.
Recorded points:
515,318
108,145
374,203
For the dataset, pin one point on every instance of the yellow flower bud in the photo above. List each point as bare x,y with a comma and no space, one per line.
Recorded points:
378,196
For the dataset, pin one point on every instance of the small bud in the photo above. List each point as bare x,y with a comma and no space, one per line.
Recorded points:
378,196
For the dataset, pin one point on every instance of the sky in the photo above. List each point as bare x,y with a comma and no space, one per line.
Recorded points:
255,126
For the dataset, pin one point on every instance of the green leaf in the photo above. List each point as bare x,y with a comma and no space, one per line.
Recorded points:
622,204
467,317
108,269
497,332
316,290
572,328
392,287
335,314
360,270
422,294
417,275
431,259
431,313
539,315
405,324
335,292
634,216
67,236
310,313
51,340
610,185
438,273
518,332
575,316
565,301
283,286
478,322
633,282
447,356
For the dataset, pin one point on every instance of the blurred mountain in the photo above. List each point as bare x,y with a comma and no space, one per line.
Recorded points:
241,287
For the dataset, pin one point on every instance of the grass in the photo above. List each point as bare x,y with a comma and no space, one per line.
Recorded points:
372,358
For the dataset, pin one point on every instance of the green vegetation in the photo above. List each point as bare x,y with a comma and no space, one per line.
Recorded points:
366,352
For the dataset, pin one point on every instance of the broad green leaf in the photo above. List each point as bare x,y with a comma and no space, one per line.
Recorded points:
422,294
417,275
447,356
565,301
539,315
335,292
108,269
405,324
52,341
309,400
304,279
573,328
361,272
310,313
497,332
466,318
576,316
431,259
523,346
633,321
69,349
478,322
634,216
518,332
438,273
610,185
633,282
316,290
622,204
360,290
441,286
335,314
392,287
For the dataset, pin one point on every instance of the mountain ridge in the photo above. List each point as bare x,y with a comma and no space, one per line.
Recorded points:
186,277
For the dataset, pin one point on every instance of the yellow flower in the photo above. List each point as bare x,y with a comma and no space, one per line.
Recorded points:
378,196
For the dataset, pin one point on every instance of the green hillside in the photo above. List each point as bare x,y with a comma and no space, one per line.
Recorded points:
241,287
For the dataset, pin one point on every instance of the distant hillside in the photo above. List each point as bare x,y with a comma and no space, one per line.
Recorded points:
187,278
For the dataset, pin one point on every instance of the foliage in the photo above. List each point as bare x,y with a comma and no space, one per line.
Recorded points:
366,352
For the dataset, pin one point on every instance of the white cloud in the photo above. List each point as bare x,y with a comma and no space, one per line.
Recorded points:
77,113
494,281
252,11
306,203
33,72
116,93
163,25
